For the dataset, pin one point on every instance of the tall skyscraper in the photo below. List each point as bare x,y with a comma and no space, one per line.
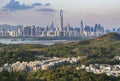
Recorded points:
33,30
61,20
20,31
27,31
81,28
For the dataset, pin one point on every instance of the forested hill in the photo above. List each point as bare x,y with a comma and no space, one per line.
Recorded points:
109,36
101,49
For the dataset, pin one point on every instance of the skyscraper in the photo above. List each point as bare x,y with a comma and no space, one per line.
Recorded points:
81,28
61,20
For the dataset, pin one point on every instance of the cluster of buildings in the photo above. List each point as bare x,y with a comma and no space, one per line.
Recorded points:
117,58
48,64
52,31
110,70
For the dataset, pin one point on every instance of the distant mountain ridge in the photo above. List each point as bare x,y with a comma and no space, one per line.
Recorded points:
7,27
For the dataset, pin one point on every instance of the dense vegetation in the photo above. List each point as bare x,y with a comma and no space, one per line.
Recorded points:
66,73
98,50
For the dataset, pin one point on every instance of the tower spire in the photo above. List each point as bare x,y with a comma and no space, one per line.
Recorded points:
61,20
81,28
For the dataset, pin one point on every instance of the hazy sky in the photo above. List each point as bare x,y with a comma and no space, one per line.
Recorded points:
43,12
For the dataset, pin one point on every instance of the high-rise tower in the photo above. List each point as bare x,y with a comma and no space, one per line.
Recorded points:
61,20
81,28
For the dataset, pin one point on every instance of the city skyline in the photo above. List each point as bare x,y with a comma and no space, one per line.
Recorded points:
43,12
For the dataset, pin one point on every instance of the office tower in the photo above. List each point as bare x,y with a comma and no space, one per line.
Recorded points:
61,20
87,30
20,30
118,30
68,27
37,31
52,25
81,28
97,27
98,30
27,31
113,30
67,30
3,32
33,31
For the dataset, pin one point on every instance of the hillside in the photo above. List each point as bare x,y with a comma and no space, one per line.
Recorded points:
109,36
96,50
101,50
